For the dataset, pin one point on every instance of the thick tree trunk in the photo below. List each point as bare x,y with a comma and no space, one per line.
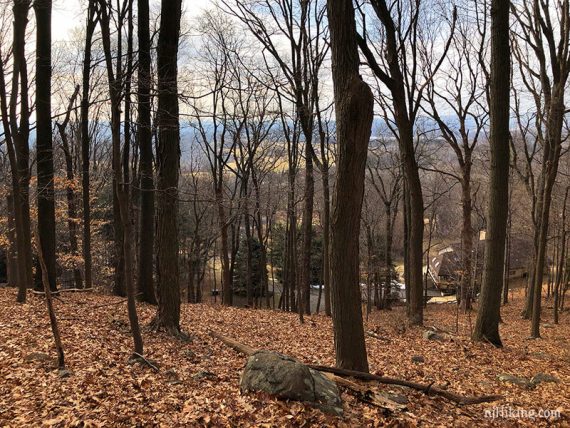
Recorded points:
146,233
86,76
20,136
168,156
487,324
354,113
416,210
46,202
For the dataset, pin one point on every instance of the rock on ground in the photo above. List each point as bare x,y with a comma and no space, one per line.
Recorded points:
287,378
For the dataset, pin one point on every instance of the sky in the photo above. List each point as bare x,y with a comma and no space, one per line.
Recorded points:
70,14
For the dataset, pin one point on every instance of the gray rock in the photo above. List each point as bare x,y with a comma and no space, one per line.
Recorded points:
515,380
418,359
432,335
543,377
287,378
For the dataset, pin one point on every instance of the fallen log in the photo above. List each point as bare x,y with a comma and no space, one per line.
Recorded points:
234,344
425,388
428,389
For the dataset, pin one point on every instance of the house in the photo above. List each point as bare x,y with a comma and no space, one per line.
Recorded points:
445,268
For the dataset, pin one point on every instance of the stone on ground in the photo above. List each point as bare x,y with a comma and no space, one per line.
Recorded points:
287,378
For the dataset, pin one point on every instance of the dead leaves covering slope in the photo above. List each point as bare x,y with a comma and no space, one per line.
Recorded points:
197,384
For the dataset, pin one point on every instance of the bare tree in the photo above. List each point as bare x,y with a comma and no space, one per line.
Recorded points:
300,22
17,131
545,65
70,192
487,324
385,174
146,247
403,49
462,92
354,112
85,179
46,202
121,187
168,157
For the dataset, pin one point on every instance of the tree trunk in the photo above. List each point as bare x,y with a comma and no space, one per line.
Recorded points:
11,256
168,156
305,274
70,193
388,256
487,324
144,135
46,202
326,240
466,239
87,262
121,188
354,113
227,289
416,210
248,237
552,150
21,143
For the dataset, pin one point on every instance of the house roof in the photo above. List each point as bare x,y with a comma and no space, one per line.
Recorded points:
448,260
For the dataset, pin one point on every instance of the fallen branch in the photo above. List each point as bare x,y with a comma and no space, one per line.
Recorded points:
426,388
234,344
366,395
51,311
377,336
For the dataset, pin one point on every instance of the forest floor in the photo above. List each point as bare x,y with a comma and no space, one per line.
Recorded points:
103,390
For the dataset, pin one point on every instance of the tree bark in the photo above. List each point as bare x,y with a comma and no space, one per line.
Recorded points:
354,113
86,77
144,135
46,202
11,259
466,239
168,316
487,324
17,135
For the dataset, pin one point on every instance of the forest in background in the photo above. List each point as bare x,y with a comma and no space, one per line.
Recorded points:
299,156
